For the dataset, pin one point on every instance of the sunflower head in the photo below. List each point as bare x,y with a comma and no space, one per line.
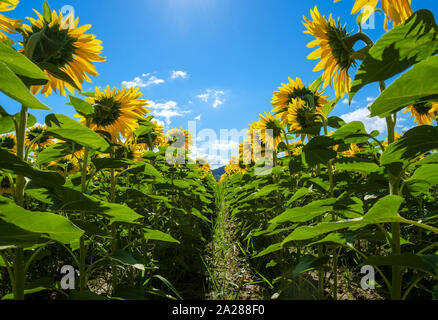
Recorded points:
398,11
116,111
293,90
159,138
9,141
302,118
65,166
37,137
5,186
204,166
423,113
7,24
175,135
334,51
268,122
62,46
130,151
353,151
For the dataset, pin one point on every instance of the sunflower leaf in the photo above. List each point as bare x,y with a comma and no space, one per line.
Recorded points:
399,49
14,88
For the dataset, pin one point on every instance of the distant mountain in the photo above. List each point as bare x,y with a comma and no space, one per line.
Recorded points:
217,173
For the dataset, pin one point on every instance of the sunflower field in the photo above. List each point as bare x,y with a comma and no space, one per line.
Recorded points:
309,204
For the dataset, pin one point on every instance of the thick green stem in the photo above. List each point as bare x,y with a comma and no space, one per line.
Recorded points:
21,151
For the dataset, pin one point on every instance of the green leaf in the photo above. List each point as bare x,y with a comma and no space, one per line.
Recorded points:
317,151
272,248
424,178
306,213
333,238
58,73
412,144
127,259
198,214
352,132
150,234
356,165
397,50
309,262
20,65
336,122
149,170
302,192
418,85
384,211
68,129
14,88
7,123
47,14
81,106
36,226
263,192
11,162
53,153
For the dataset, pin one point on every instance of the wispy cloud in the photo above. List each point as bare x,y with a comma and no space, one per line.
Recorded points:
144,81
166,110
179,74
215,97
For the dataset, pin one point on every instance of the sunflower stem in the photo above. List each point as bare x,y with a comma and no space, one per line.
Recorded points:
394,189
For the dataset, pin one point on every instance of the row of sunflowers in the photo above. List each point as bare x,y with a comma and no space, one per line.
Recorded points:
340,198
94,193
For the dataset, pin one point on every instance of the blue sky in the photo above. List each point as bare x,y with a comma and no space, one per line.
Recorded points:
230,55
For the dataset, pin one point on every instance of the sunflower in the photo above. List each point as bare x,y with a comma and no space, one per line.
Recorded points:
65,166
129,151
5,186
253,147
334,51
116,111
205,167
398,11
292,90
36,137
245,152
233,168
268,122
9,141
301,117
159,136
7,24
353,151
175,134
295,148
64,46
423,113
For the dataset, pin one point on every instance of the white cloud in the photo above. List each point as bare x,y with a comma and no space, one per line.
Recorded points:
166,110
179,74
215,97
363,115
198,117
144,81
371,99
216,152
